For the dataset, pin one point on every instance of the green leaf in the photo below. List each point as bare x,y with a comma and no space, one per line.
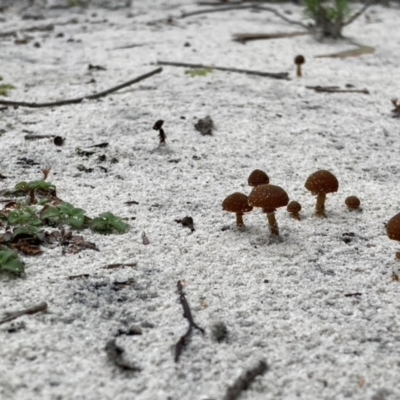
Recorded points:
24,216
108,223
5,88
30,231
10,262
199,72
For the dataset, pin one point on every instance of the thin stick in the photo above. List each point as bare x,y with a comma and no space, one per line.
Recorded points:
246,37
30,310
278,75
244,7
243,382
330,89
188,315
214,10
281,16
358,13
40,28
80,99
37,137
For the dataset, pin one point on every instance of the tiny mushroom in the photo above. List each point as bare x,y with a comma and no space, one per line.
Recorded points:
269,198
321,183
299,61
393,230
352,203
258,177
237,203
294,209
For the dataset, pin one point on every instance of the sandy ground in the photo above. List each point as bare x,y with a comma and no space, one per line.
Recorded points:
282,301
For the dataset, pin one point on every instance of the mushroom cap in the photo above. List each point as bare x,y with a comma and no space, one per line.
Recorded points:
322,182
393,228
158,125
268,197
237,202
294,207
352,202
298,60
258,177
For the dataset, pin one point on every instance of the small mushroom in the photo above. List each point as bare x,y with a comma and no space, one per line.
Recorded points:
393,230
321,183
238,204
352,203
294,209
299,61
257,178
269,198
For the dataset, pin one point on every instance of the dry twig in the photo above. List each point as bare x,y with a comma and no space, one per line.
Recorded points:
30,310
277,75
188,315
244,381
80,99
246,37
336,89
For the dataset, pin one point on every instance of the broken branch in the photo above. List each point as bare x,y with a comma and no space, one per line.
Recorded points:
244,381
80,99
188,315
30,310
335,89
278,75
246,37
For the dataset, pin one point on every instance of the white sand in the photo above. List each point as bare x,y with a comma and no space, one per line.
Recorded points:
283,302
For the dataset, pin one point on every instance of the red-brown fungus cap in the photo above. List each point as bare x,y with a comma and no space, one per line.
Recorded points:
294,207
352,202
298,60
268,197
393,228
237,203
257,178
322,182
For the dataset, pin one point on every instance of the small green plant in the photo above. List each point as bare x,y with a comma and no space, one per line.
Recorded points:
22,188
330,16
30,215
5,89
65,213
107,223
199,72
9,261
24,216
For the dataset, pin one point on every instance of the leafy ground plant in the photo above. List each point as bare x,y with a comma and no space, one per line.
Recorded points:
10,262
39,209
107,223
330,17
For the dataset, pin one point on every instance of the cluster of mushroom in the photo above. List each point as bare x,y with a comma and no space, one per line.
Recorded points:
270,197
264,195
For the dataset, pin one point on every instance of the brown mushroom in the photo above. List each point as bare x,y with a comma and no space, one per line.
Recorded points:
294,209
393,230
321,183
269,198
352,203
299,61
258,177
237,203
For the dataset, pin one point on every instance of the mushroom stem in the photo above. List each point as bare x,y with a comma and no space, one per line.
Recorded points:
273,225
239,219
398,255
298,69
296,215
320,207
